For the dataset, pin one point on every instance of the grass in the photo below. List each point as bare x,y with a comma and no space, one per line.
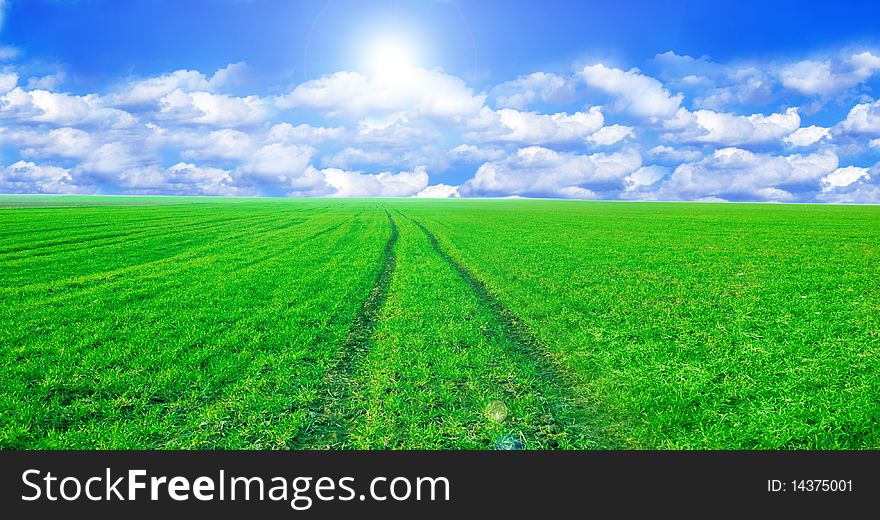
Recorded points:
694,325
191,336
204,323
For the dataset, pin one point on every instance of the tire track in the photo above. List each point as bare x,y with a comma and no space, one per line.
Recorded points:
334,411
563,413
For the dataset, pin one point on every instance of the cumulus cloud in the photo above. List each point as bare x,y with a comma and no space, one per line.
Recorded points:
741,85
353,134
863,118
110,158
439,191
851,185
808,135
28,177
385,184
47,82
686,70
59,142
608,135
8,81
843,177
717,86
211,109
422,92
708,126
857,193
536,87
541,172
737,174
304,133
152,90
354,156
670,155
218,144
645,176
181,179
469,152
633,92
43,106
277,164
826,77
515,126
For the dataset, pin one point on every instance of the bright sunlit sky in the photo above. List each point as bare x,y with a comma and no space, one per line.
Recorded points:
674,100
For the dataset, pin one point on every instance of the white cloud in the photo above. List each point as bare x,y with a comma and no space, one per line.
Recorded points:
863,118
808,135
152,90
277,164
439,191
386,184
48,82
199,180
812,77
537,171
28,177
539,86
395,129
826,77
180,179
857,193
670,155
42,106
736,174
218,144
746,85
232,74
62,142
707,126
111,158
634,92
8,81
429,93
645,176
843,177
716,86
608,135
673,67
212,109
354,156
304,134
226,142
469,152
528,128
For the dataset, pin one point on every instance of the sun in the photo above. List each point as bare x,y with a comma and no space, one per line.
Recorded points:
391,58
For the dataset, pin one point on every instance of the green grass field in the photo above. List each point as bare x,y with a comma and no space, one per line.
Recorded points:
464,324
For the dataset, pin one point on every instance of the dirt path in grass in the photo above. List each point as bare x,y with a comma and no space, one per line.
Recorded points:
562,410
333,410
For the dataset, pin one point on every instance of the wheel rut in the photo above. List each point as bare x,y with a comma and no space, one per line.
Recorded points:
562,410
333,411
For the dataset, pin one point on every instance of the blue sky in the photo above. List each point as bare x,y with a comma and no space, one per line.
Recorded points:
676,100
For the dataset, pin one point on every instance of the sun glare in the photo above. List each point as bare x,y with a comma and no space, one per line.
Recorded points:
391,58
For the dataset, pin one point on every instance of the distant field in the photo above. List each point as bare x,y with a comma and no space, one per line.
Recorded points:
266,323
